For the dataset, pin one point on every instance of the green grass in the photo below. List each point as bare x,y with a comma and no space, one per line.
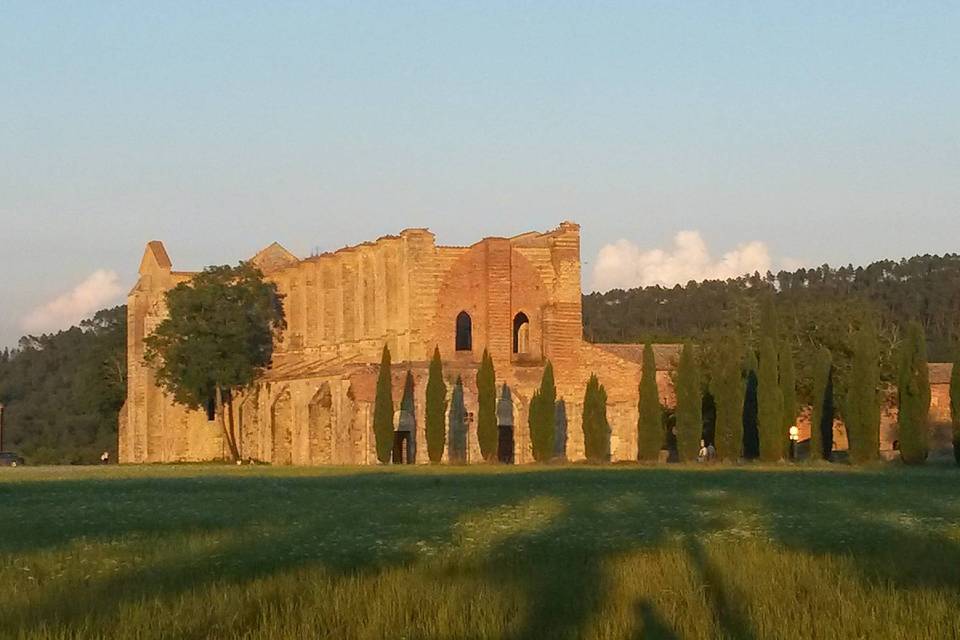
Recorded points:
480,552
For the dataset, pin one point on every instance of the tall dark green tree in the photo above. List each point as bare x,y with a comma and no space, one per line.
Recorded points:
788,391
458,425
913,391
542,417
769,403
436,409
560,440
750,429
861,408
487,408
955,407
727,389
650,421
216,340
821,417
689,405
596,429
383,409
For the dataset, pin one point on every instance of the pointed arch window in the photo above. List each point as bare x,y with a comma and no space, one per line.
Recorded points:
521,333
464,332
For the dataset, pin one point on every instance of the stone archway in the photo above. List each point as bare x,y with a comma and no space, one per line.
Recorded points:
281,419
249,420
320,426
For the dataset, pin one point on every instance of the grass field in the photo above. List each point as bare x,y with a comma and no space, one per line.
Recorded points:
565,552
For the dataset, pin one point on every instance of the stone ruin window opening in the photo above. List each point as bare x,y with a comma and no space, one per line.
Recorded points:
521,333
464,340
211,408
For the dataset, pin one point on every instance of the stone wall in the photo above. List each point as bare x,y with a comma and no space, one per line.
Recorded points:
314,406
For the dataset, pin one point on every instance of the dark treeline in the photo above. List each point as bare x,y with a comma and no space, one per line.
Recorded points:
815,307
63,391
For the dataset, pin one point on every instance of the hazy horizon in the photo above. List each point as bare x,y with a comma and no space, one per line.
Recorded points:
688,142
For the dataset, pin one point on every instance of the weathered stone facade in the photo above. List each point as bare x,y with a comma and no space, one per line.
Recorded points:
517,297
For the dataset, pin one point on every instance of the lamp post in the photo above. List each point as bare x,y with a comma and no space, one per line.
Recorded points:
794,437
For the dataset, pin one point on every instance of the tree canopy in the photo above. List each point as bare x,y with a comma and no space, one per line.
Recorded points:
217,338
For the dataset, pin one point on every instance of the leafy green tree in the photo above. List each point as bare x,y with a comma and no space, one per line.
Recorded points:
751,418
769,404
914,396
821,417
217,339
861,410
955,407
383,409
727,389
458,425
650,420
788,391
542,417
487,408
435,409
596,429
689,412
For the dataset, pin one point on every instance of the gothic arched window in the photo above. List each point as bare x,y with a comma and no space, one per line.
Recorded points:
464,332
521,333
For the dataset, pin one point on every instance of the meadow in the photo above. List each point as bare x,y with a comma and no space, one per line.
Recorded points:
480,552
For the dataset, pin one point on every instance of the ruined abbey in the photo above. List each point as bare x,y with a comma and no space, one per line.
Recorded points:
517,297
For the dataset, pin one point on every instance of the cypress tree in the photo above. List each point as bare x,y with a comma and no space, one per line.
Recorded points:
821,417
788,391
560,440
769,404
727,389
650,420
913,396
542,417
487,408
596,429
861,409
436,408
750,429
383,410
458,425
689,406
955,407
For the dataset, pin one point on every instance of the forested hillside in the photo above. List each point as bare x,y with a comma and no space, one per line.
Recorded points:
923,288
63,391
821,306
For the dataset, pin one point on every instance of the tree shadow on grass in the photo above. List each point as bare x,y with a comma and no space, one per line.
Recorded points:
368,523
726,603
652,624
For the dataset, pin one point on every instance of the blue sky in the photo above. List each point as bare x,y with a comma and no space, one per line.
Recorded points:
817,132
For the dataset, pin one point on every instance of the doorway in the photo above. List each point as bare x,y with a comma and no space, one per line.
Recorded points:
401,447
505,444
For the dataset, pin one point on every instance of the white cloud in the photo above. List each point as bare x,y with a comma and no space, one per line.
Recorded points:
624,265
101,289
